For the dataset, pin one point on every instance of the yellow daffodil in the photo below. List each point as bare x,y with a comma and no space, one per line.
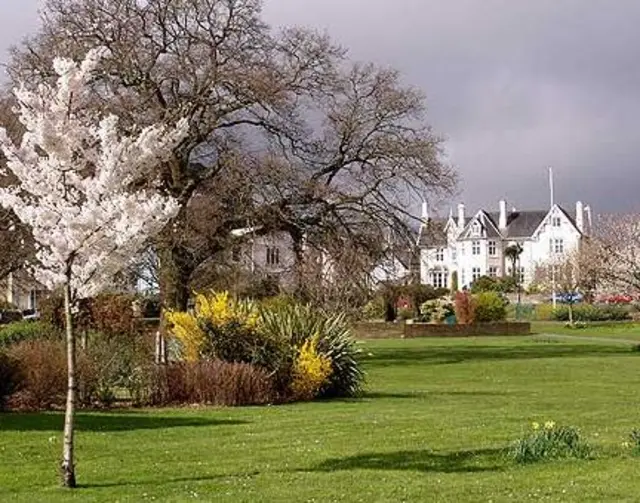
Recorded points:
549,425
535,426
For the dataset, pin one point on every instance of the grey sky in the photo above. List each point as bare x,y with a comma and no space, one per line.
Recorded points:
514,85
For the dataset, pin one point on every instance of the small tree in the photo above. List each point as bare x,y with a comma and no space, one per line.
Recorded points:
78,191
570,275
513,252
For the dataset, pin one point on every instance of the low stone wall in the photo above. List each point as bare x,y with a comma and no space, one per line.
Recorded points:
477,329
378,330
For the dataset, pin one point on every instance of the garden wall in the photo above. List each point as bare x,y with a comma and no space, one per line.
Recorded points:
476,329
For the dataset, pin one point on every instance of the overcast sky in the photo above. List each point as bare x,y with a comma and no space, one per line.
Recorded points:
514,85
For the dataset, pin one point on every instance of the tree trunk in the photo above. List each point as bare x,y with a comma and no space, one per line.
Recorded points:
175,270
68,466
570,314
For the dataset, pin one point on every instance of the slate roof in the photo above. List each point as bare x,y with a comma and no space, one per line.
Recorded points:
521,224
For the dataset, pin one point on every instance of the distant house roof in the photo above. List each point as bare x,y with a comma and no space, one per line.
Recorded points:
432,233
521,224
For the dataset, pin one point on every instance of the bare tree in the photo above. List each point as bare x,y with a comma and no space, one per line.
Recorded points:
285,133
616,242
574,273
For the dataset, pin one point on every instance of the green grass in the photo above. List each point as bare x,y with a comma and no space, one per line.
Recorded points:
619,330
433,427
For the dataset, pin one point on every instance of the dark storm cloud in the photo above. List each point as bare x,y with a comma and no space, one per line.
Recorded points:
514,85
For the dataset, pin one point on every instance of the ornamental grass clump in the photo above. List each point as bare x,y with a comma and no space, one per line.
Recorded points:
550,441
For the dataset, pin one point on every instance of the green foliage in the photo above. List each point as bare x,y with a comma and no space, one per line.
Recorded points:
299,323
590,312
374,309
490,306
550,442
465,308
506,284
11,378
454,282
437,310
25,330
405,313
634,442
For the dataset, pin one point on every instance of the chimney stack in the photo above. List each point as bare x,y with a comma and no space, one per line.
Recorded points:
461,216
580,216
425,211
502,222
587,210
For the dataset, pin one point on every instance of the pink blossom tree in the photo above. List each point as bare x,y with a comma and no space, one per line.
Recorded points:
78,190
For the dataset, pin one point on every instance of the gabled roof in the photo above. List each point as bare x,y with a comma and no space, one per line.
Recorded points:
489,227
432,234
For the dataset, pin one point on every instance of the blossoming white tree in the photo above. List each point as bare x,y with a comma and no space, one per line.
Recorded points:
79,191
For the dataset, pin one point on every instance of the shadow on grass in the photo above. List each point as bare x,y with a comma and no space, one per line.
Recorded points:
107,422
440,355
482,460
416,395
163,480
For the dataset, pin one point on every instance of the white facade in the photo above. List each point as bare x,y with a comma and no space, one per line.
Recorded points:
476,247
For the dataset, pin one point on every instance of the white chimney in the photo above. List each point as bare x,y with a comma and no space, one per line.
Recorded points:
502,222
580,216
587,210
425,211
460,216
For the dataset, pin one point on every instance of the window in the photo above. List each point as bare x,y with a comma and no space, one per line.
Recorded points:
475,248
557,245
454,254
463,281
273,255
439,279
492,248
520,275
235,254
462,249
475,229
475,273
493,271
439,255
556,221
33,301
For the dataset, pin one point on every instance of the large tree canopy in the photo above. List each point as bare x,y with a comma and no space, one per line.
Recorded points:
283,130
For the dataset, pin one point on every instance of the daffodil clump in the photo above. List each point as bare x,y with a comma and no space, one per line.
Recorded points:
549,441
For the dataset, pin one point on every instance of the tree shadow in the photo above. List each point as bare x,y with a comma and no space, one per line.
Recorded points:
442,355
105,422
168,480
416,395
482,460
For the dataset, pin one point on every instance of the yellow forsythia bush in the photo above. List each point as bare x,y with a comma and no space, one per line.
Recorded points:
310,371
217,309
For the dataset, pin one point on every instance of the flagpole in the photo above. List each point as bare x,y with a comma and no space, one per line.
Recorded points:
553,266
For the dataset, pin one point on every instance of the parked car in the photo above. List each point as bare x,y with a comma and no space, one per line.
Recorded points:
616,299
568,298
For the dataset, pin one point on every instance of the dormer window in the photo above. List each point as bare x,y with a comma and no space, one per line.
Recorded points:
475,229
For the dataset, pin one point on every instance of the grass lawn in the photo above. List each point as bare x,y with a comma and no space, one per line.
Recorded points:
612,330
433,427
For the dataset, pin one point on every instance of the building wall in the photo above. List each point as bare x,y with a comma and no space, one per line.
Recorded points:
538,249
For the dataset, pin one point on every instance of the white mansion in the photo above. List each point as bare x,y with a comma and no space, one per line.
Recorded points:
475,246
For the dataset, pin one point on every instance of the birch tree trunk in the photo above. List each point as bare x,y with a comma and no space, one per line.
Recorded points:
68,466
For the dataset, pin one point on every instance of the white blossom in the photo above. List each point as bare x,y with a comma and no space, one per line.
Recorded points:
76,172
